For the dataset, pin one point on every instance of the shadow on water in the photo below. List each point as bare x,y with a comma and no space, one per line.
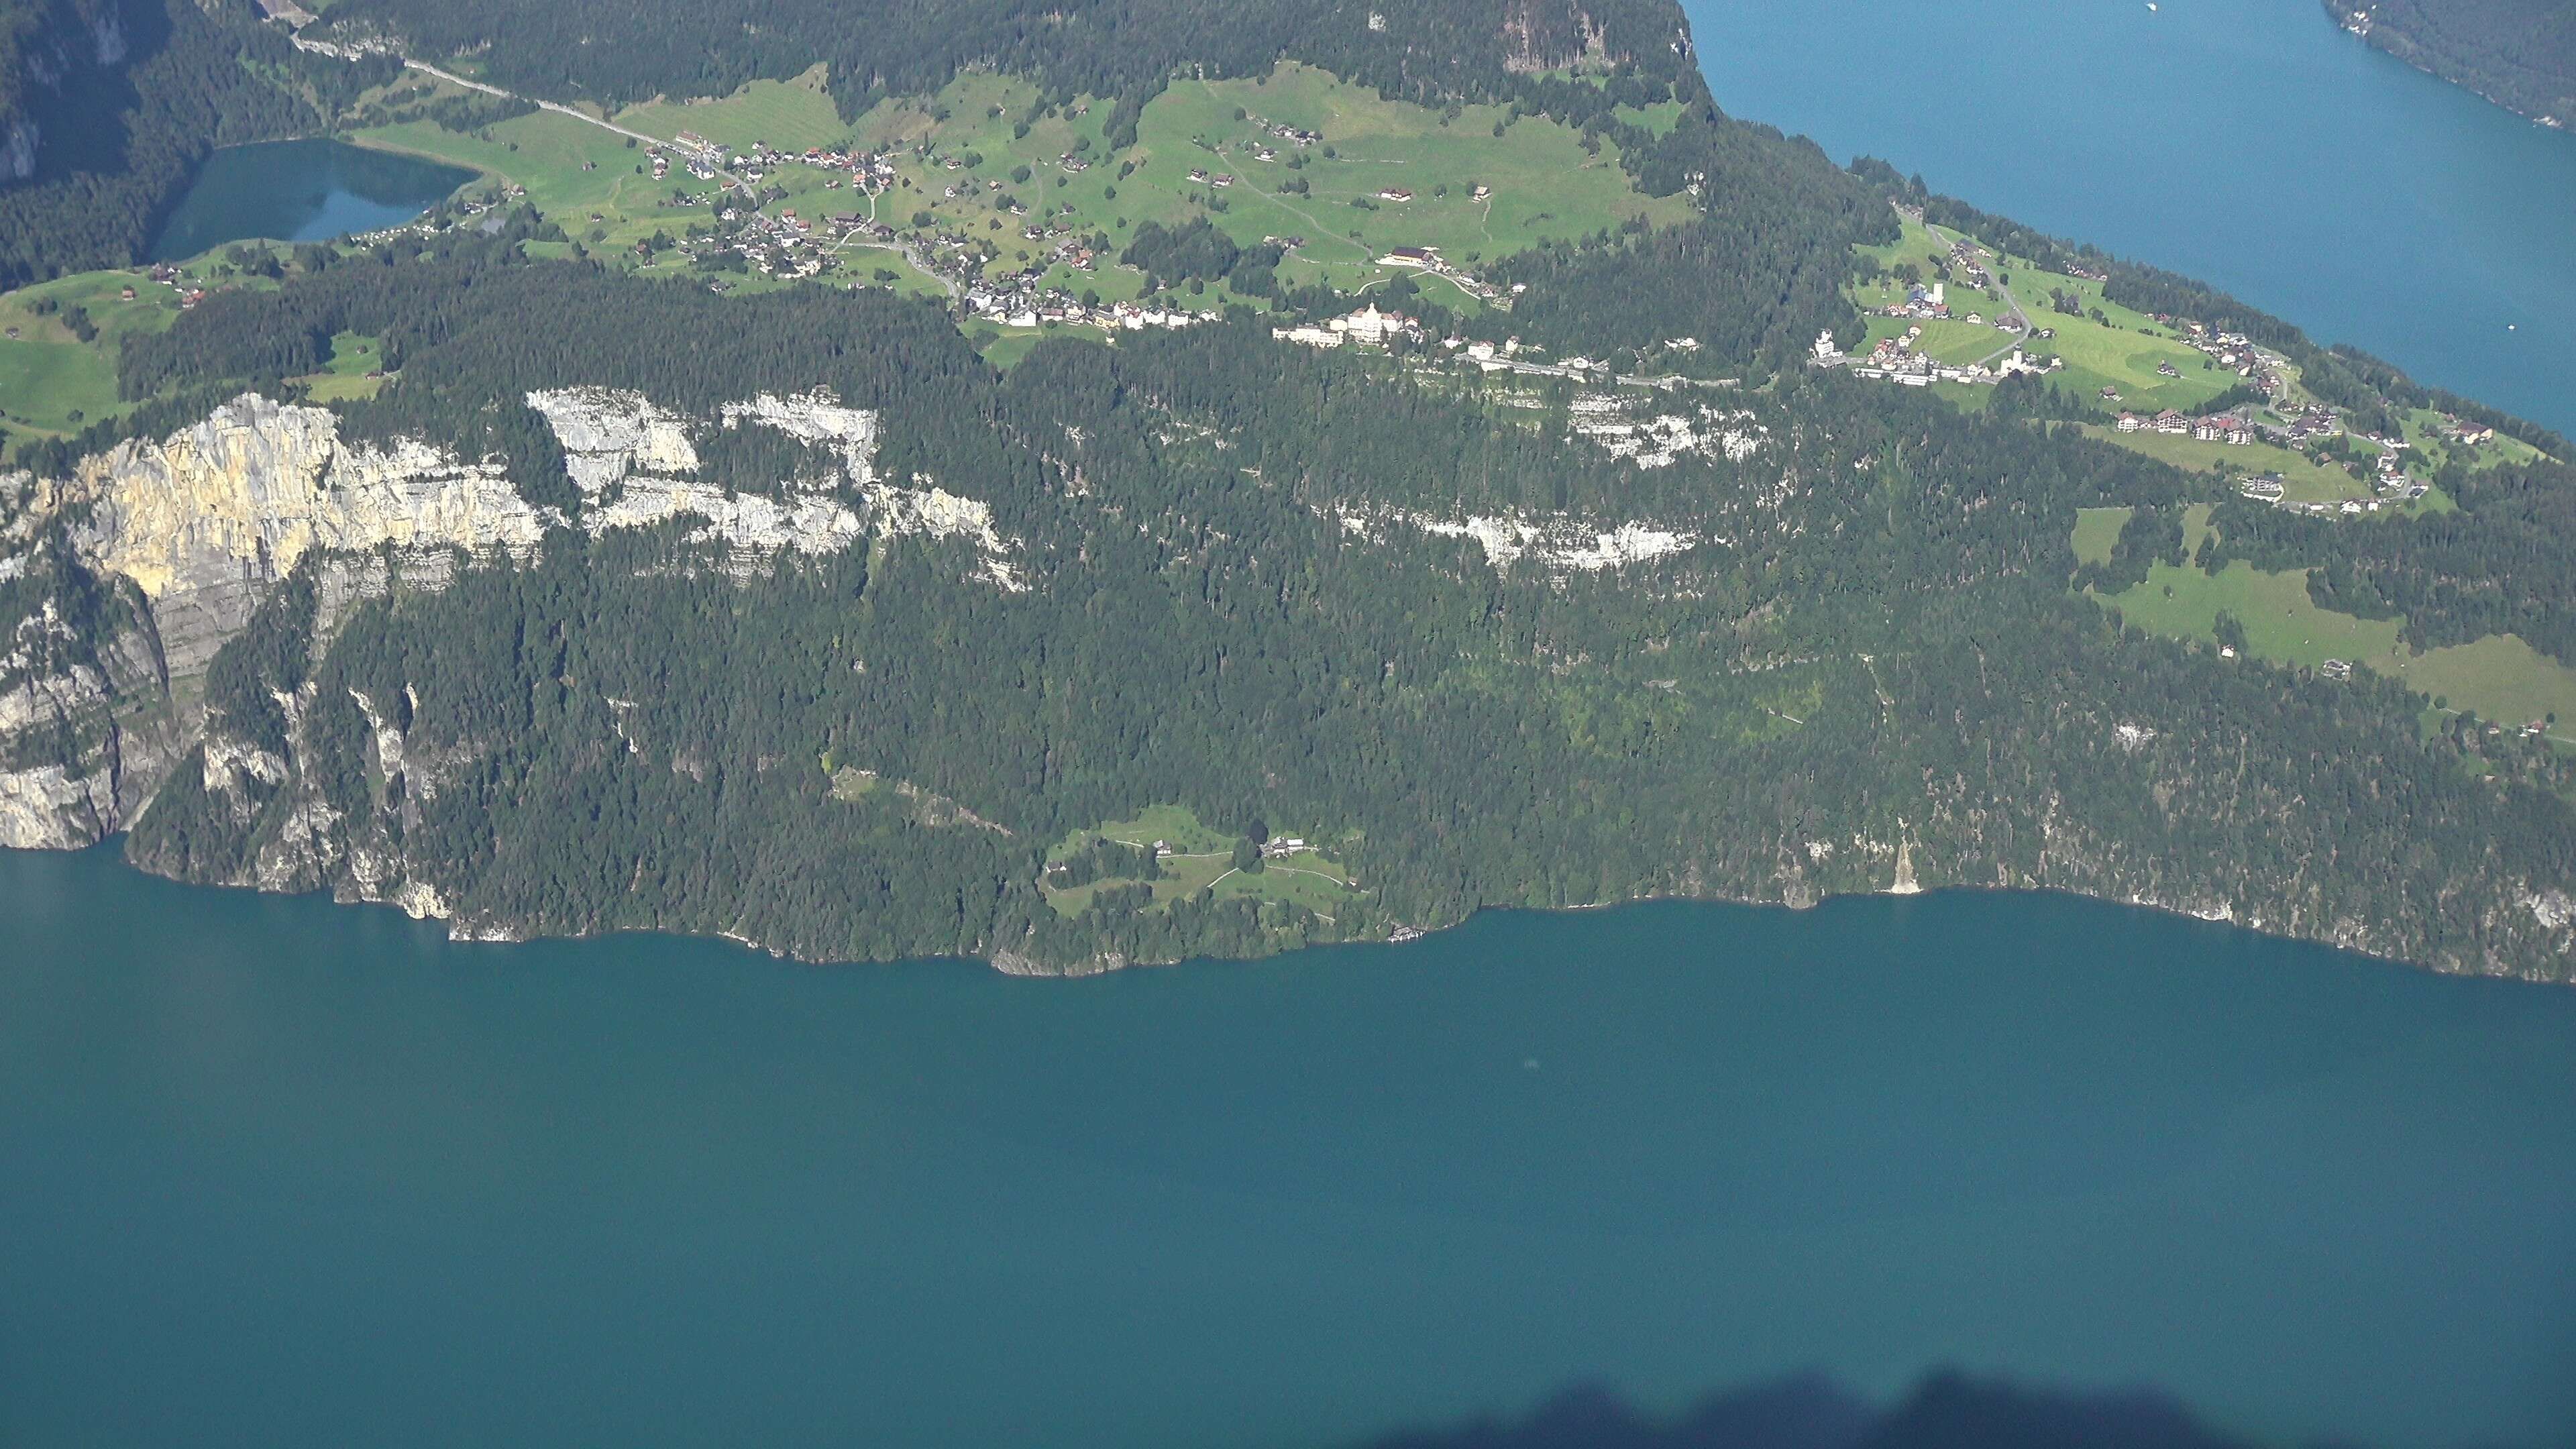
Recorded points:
1812,1411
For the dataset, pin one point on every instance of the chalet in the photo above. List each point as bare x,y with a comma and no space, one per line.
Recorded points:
2130,422
1199,175
1221,179
1395,193
2170,421
1410,257
1482,192
2477,436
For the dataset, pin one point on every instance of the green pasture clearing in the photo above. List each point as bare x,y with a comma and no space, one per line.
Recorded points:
344,379
544,152
788,115
2098,357
2500,677
2120,354
1657,119
2096,531
53,383
2304,479
1944,339
1543,185
1201,858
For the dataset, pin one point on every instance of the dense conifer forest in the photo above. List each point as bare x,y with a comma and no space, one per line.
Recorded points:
2518,53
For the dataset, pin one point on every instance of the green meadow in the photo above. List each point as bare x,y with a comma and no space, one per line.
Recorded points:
2304,479
786,115
2501,677
51,382
2120,353
1201,859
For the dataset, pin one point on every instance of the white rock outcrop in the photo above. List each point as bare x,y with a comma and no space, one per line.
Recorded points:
1560,543
610,433
260,481
816,417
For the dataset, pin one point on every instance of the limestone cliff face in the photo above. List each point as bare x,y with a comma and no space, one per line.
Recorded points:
86,730
204,520
189,532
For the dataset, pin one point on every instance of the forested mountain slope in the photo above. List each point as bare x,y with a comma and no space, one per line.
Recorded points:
1422,50
609,601
2517,53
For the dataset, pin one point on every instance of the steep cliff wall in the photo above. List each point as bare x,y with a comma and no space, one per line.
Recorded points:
127,578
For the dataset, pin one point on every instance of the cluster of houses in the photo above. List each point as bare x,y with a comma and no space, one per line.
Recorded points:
1921,301
1896,359
1032,309
1428,259
2234,351
1970,264
1293,135
1371,327
2216,428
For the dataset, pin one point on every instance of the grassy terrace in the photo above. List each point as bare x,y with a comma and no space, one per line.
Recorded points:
1200,859
52,382
2120,351
1542,184
2304,479
2500,676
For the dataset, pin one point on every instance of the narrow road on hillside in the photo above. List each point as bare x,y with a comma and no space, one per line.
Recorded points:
2012,305
559,109
918,261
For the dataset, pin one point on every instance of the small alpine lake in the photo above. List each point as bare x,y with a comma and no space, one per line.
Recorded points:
300,191
278,1171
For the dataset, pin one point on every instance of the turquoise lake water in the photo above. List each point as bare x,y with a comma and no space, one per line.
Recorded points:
274,1171
2246,142
300,191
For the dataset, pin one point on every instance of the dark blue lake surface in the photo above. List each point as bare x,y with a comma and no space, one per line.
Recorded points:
278,1172
2246,142
300,191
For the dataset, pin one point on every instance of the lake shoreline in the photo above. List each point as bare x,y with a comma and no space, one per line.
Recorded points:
265,191
1005,962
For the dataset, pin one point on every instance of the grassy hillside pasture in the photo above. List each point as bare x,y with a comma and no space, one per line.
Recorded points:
788,115
51,382
545,153
2098,357
353,356
2304,479
2121,353
1201,858
2500,677
2097,531
1543,185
